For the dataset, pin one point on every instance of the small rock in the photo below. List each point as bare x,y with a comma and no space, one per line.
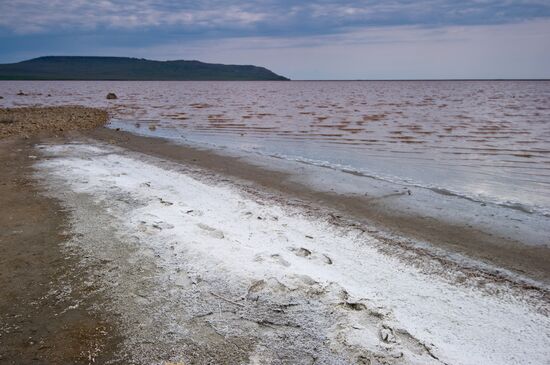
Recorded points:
111,96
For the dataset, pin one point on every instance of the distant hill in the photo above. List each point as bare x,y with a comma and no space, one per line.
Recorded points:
124,68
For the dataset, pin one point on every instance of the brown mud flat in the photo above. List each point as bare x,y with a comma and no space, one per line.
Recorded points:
46,314
29,121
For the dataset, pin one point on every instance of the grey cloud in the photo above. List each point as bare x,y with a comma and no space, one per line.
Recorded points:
266,17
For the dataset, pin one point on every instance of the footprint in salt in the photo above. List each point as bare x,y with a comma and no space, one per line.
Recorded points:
150,217
275,258
305,253
160,225
301,252
165,202
280,260
182,280
372,326
281,236
211,231
193,212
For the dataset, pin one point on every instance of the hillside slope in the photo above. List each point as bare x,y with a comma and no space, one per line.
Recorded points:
124,68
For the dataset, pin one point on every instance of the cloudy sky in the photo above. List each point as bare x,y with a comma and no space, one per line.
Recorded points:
322,39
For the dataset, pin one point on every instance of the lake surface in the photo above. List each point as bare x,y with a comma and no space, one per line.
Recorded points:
484,141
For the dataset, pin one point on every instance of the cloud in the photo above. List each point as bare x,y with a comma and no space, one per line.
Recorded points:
517,50
301,39
30,16
267,17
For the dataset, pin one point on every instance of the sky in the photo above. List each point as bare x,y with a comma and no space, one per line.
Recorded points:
320,39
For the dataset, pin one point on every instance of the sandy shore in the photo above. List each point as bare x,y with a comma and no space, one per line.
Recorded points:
48,314
184,256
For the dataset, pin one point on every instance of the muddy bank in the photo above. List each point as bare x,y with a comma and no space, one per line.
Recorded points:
29,121
47,313
501,251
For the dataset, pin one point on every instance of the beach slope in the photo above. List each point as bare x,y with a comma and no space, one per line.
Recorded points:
182,264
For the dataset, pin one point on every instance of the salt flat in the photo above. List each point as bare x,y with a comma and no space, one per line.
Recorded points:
198,268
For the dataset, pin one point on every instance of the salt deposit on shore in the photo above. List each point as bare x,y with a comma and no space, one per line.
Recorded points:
199,270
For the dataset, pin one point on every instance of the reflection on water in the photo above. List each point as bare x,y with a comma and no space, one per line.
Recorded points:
485,140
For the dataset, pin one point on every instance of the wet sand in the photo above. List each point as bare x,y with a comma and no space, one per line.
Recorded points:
527,260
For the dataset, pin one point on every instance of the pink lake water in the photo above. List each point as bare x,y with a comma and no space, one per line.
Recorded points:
484,141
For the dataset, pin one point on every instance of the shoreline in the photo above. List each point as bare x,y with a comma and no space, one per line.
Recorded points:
262,272
488,247
184,255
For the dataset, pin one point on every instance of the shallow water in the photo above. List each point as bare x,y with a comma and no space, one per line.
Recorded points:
487,141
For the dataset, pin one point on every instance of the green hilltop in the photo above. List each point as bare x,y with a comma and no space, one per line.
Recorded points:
125,68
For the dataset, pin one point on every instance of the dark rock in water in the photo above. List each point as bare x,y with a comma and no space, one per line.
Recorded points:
1,97
21,93
111,96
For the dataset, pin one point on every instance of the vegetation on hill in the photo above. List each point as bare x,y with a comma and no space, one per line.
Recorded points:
124,68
